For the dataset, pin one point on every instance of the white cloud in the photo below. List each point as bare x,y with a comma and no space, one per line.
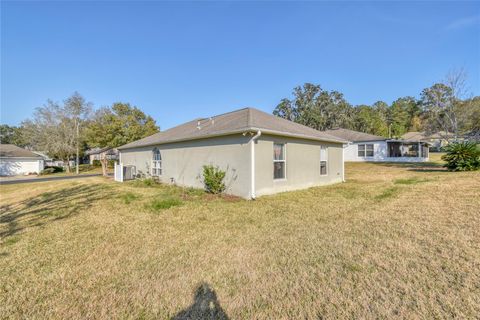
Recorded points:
464,22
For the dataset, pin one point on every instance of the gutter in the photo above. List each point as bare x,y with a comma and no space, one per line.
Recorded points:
252,164
343,161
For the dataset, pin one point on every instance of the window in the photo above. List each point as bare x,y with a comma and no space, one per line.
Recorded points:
361,150
156,162
365,150
279,162
323,160
369,148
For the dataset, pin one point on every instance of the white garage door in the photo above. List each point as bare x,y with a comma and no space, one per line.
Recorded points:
11,167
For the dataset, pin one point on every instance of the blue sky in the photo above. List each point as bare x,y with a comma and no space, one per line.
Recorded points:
181,60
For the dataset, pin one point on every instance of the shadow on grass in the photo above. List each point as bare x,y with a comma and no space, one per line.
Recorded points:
414,166
205,306
48,207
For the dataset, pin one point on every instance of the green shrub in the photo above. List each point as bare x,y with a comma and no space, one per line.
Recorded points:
47,171
96,163
462,156
56,168
110,164
213,179
159,204
50,170
145,182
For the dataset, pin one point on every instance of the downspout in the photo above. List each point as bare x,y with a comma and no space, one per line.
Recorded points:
343,161
252,164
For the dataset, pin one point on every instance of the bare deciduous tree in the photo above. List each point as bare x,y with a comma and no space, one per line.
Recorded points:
444,104
58,129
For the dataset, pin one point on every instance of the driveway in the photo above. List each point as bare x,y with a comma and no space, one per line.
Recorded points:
42,179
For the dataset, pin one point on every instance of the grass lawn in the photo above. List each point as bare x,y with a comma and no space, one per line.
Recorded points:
395,240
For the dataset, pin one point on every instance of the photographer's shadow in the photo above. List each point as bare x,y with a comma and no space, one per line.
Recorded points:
204,306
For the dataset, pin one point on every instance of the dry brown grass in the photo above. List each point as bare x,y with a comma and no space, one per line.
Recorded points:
394,241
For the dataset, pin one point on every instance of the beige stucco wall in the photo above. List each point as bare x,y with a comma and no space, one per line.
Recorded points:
303,164
183,161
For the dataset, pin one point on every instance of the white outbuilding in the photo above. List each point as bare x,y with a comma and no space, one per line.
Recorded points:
16,161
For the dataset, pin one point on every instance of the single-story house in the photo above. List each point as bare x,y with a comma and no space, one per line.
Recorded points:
436,140
473,136
15,161
369,147
260,153
101,153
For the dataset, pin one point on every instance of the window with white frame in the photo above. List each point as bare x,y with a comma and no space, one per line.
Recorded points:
156,162
279,161
323,160
365,150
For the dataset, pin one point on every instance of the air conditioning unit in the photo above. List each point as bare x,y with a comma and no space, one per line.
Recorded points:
123,173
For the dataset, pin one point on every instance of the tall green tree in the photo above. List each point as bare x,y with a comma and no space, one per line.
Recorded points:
12,135
369,120
400,121
316,108
119,125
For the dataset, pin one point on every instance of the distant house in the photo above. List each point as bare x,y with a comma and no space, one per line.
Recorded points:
368,147
15,161
473,136
49,161
436,140
260,153
101,153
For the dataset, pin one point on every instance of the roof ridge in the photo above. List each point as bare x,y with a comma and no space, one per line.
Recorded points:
219,115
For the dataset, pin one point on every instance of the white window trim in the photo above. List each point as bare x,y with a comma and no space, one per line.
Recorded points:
365,150
284,161
326,161
159,162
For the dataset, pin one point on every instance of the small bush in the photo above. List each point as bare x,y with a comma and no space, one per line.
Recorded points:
462,156
56,168
96,163
47,171
158,204
145,182
51,169
85,167
213,179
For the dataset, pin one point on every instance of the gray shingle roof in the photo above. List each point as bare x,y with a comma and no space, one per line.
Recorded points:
423,136
12,151
354,136
238,121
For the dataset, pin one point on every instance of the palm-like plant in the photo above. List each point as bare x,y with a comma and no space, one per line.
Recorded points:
462,156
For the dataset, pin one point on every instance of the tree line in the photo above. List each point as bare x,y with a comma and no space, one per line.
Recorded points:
66,130
446,107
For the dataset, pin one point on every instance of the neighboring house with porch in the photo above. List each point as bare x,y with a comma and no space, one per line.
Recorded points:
16,161
260,153
368,147
436,140
473,136
101,153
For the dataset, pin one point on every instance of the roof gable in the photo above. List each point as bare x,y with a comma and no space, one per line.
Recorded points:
230,123
12,151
